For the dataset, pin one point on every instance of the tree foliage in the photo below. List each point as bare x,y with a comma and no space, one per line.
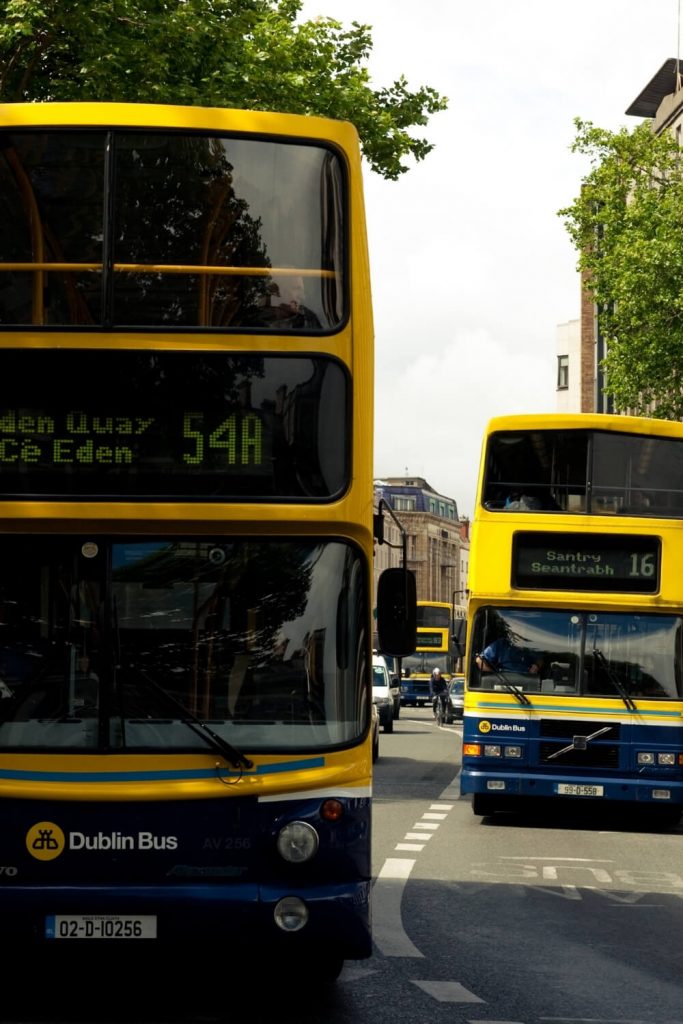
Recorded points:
251,54
627,225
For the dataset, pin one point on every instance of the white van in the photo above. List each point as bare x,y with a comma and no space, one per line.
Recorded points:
395,682
382,694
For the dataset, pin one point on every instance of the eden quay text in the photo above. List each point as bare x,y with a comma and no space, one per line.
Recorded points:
121,841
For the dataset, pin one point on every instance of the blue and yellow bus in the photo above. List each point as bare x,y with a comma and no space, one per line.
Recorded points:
574,685
434,648
186,534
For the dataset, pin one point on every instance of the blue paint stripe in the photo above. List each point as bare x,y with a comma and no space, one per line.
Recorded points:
290,766
157,776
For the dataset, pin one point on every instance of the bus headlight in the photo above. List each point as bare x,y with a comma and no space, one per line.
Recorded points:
491,750
666,759
297,842
513,751
645,757
291,914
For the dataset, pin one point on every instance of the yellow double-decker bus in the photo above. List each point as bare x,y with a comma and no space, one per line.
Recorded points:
186,533
434,648
574,686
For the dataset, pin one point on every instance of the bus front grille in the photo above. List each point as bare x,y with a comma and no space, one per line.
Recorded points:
594,755
567,728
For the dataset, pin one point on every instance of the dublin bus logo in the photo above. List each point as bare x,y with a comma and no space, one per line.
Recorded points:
45,841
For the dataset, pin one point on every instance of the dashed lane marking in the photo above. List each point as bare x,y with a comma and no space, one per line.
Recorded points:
388,932
448,991
396,867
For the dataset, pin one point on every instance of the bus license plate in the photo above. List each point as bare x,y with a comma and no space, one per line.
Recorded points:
101,926
576,789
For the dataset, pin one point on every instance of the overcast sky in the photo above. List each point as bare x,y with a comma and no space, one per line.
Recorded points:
472,269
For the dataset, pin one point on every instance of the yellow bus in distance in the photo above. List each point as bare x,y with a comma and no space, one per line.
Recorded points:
433,649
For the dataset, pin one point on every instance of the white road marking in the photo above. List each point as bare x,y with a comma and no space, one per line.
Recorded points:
387,924
397,867
448,991
388,932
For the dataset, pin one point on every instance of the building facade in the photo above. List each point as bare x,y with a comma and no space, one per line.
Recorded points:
568,383
437,540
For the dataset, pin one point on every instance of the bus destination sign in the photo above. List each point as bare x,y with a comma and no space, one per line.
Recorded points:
430,640
625,564
205,426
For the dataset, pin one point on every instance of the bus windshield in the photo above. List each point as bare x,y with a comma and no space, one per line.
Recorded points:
578,653
104,642
424,663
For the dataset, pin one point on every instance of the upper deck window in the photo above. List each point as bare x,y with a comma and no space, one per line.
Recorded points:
589,472
168,230
433,615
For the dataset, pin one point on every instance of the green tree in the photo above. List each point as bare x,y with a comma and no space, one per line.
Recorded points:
251,54
627,226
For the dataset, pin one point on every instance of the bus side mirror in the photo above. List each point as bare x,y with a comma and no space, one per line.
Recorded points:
397,612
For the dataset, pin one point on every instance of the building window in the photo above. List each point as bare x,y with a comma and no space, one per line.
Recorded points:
403,504
562,373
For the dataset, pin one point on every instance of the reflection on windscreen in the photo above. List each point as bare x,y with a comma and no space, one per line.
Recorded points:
111,645
582,471
170,230
424,664
573,652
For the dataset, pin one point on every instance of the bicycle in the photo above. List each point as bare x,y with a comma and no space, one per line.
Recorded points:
440,708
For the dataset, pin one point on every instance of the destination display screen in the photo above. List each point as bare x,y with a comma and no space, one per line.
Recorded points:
586,561
431,641
172,425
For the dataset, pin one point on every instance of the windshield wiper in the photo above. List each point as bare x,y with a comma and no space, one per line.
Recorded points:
602,660
221,746
519,694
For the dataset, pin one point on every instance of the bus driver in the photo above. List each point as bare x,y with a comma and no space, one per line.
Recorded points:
503,656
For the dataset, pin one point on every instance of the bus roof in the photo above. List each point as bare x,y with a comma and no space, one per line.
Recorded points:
167,115
585,421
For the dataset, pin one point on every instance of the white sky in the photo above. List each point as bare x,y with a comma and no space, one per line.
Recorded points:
472,269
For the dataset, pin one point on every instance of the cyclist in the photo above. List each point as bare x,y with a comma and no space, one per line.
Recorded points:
438,691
